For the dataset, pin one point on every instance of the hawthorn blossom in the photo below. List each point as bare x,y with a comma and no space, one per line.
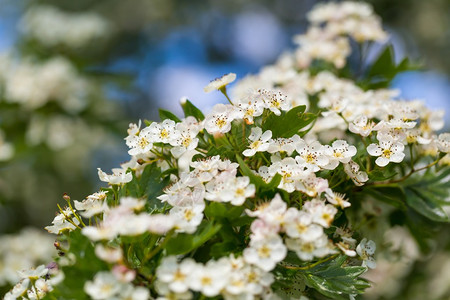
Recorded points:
311,155
176,275
265,253
187,218
275,101
164,132
251,106
308,250
336,198
220,83
186,140
219,120
104,286
299,224
211,278
119,176
64,221
259,141
339,151
443,142
322,214
311,185
284,144
140,142
362,126
353,171
387,151
366,250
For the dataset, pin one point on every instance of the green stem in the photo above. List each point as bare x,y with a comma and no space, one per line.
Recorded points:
224,91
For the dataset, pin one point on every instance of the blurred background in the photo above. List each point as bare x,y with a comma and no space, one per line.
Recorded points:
73,74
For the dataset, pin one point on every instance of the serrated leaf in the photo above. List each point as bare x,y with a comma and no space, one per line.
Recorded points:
184,243
333,280
190,110
425,206
288,123
165,114
391,195
426,194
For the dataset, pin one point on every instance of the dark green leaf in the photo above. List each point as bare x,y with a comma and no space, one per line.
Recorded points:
165,114
184,243
288,123
190,110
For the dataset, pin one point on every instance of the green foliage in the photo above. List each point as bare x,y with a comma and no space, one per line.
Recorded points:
165,114
85,266
384,69
427,194
183,243
288,123
333,279
190,110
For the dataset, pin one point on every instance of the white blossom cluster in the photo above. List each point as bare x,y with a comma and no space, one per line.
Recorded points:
35,283
354,124
332,24
32,84
232,277
24,250
52,27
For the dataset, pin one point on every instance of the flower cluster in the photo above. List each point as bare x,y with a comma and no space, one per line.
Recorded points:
258,195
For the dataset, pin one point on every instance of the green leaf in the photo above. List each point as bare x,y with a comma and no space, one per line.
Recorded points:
391,195
165,114
288,123
333,279
86,266
427,193
256,179
190,110
223,210
184,243
426,206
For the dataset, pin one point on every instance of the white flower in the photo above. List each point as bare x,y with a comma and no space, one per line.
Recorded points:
18,290
251,106
271,212
322,214
265,253
298,224
228,188
387,151
34,273
93,205
104,286
188,218
186,140
284,144
164,132
220,83
312,185
366,250
311,155
361,125
211,278
308,250
118,176
443,142
358,177
258,141
274,100
61,223
219,120
139,142
175,274
108,254
336,198
339,151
